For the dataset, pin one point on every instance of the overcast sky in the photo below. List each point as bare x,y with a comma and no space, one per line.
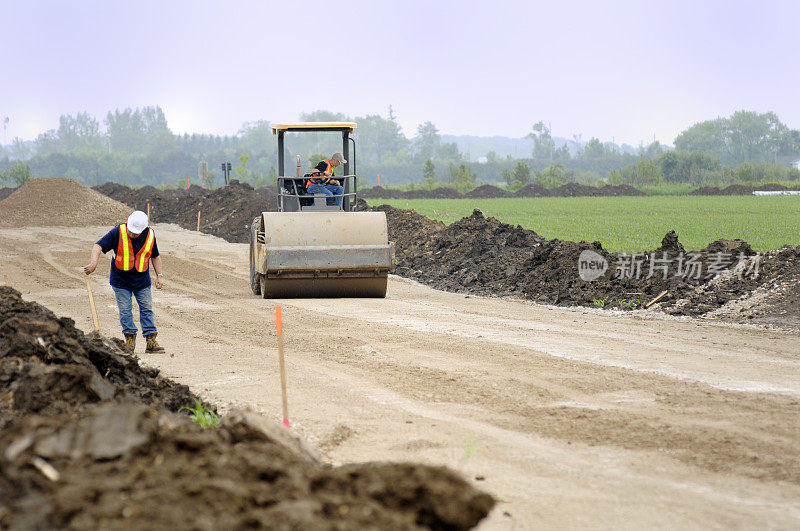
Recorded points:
621,70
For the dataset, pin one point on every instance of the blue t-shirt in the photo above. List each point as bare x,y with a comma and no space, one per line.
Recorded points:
131,280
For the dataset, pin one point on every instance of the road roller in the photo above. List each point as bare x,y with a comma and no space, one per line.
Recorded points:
311,249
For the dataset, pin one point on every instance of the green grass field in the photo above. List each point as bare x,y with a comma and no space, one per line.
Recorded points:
630,224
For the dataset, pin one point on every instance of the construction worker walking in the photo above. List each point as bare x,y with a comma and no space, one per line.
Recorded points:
135,246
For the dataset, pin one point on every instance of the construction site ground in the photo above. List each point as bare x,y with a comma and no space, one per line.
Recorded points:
569,417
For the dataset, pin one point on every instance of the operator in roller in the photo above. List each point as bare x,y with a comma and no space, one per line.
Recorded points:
320,180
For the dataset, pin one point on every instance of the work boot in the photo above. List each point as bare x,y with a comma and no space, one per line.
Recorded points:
130,342
152,344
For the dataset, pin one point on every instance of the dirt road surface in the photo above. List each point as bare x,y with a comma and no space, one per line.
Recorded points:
569,417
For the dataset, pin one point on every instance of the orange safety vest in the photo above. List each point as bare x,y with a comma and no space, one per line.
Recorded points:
125,260
328,173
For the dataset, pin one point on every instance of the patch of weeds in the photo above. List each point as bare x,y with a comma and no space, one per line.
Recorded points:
202,415
600,303
470,449
630,304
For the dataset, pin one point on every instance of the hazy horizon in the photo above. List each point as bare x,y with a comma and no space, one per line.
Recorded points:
624,71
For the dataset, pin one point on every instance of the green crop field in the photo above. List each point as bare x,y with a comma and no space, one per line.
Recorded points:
631,224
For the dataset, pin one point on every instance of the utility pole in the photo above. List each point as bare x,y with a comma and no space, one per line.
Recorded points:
226,171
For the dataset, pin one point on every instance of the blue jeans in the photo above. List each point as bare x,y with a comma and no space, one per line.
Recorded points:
328,189
146,318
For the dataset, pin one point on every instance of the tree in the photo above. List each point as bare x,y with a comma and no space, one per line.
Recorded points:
19,150
744,137
79,132
139,131
242,172
427,140
562,153
595,149
315,159
519,176
377,137
448,151
323,116
255,136
552,176
543,145
47,143
645,171
461,176
16,175
654,149
429,173
686,167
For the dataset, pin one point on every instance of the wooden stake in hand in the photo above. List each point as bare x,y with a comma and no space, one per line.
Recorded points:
278,324
148,211
198,221
94,309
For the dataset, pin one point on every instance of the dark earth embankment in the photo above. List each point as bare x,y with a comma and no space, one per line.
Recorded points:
484,256
225,212
89,439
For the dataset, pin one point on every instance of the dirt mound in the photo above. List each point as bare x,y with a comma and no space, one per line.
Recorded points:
5,192
574,190
89,439
738,189
225,212
407,228
533,190
484,256
474,254
49,366
579,190
436,193
380,192
48,202
610,190
771,187
487,191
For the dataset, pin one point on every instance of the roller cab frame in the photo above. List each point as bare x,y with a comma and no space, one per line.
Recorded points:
310,249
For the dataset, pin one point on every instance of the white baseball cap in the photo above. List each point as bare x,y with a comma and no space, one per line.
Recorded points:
137,222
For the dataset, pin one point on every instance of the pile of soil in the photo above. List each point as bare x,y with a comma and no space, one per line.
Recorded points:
442,192
488,191
47,366
49,202
90,439
579,190
225,212
381,192
738,189
575,190
610,190
435,193
407,229
484,256
5,192
533,190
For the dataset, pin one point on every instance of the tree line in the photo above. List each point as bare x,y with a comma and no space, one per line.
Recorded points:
136,147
